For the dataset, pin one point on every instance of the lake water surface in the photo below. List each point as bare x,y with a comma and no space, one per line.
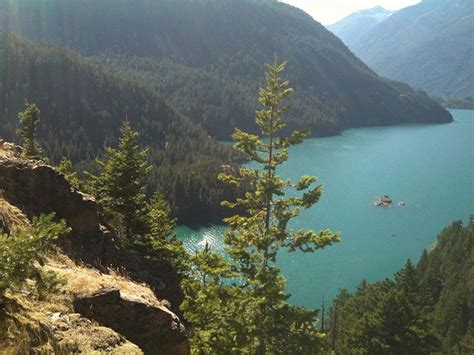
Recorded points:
429,167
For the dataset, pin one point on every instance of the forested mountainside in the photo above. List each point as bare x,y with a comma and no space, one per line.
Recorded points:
82,108
428,46
205,57
425,309
352,27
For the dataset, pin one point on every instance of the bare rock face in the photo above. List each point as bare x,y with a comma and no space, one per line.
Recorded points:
153,328
39,189
36,188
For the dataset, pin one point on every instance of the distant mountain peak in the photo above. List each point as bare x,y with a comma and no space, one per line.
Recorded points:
428,45
374,10
355,25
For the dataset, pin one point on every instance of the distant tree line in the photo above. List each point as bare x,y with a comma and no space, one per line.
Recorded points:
424,309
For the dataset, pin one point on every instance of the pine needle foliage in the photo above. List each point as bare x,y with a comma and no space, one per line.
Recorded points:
29,120
160,242
423,309
120,185
65,167
248,306
23,253
257,237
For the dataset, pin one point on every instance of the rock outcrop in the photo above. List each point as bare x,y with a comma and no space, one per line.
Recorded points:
154,328
37,189
33,188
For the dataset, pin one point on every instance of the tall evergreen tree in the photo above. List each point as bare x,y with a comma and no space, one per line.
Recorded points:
248,310
120,186
29,120
217,313
258,235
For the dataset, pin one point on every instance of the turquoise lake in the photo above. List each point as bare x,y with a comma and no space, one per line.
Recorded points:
429,167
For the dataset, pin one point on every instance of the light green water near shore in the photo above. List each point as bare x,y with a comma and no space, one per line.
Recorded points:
429,167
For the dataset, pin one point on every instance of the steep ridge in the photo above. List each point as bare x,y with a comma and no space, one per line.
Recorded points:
86,259
429,46
217,49
352,27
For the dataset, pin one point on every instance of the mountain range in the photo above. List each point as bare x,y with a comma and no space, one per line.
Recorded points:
183,73
428,45
206,56
352,27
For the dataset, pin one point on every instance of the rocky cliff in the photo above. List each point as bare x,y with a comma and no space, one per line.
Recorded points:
130,311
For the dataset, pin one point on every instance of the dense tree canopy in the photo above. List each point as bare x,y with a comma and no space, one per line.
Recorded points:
204,56
425,309
82,107
181,83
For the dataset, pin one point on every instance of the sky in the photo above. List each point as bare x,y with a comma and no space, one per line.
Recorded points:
330,11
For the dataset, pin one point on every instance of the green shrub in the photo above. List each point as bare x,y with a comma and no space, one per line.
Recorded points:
22,253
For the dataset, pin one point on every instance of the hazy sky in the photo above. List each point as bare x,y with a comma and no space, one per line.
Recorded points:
330,11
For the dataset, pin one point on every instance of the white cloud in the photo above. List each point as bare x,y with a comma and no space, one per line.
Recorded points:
330,11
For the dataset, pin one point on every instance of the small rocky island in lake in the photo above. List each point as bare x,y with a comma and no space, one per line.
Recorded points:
384,201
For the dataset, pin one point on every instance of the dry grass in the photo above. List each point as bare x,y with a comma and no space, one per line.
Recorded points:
9,150
48,326
29,328
83,280
13,217
30,325
19,333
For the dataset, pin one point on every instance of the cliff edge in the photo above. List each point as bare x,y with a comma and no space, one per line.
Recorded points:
111,300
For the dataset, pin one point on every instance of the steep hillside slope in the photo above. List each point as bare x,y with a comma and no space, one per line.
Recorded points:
352,27
82,107
96,309
430,46
219,47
